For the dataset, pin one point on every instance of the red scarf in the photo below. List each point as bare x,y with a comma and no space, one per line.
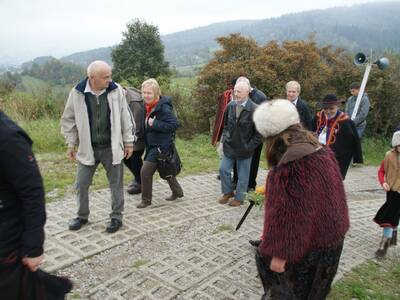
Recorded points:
149,107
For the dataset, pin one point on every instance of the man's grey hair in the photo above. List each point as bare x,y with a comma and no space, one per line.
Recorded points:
97,66
244,83
243,79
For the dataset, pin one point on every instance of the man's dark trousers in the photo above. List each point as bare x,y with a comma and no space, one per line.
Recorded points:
135,163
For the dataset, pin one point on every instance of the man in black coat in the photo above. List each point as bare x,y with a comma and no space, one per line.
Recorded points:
257,97
293,90
22,219
335,129
239,140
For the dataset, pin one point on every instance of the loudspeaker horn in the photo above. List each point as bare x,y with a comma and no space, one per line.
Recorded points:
359,58
382,63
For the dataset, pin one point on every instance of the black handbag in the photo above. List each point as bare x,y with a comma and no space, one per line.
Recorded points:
168,164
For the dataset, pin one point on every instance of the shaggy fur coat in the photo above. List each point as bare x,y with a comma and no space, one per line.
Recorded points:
305,207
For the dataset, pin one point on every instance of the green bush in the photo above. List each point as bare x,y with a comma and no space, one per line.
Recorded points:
181,91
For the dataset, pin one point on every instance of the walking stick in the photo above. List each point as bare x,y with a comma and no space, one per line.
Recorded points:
245,215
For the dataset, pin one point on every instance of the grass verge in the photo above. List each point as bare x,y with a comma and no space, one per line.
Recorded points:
371,280
197,154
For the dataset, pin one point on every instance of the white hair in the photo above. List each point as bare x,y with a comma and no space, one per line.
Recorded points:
243,83
243,79
97,66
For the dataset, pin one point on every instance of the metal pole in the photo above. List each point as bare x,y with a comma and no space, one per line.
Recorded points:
361,92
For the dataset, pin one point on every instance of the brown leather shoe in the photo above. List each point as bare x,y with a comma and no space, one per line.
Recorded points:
225,198
174,197
234,202
143,204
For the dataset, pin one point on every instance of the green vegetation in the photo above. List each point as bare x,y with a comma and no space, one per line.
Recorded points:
140,55
138,263
188,71
222,228
374,150
370,281
320,70
197,154
55,71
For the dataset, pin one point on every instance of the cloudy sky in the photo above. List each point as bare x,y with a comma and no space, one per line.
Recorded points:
60,27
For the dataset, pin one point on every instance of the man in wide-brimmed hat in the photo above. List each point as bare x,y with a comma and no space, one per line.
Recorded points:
335,129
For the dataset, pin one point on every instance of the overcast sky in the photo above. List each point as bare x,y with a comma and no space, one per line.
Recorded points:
60,27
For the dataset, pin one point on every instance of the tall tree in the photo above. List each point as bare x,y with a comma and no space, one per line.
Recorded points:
140,55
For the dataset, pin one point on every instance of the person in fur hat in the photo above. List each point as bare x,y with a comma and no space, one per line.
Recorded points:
305,210
335,129
388,215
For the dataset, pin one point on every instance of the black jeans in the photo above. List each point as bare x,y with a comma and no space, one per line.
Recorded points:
135,163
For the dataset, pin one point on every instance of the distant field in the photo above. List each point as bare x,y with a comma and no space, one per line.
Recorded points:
35,86
189,71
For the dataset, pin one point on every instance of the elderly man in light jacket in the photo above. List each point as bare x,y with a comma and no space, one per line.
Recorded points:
98,128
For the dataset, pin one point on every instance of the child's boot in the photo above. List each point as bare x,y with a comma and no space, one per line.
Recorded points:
383,246
393,241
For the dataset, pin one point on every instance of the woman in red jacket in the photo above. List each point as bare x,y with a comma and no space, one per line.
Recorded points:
306,215
388,215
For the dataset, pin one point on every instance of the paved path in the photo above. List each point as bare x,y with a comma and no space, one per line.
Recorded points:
186,249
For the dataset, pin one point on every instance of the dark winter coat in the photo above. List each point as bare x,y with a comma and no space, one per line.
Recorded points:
18,282
22,204
305,206
304,113
345,144
257,96
162,133
240,137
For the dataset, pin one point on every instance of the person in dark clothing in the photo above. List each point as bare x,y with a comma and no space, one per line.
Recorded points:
293,90
135,162
257,97
305,209
160,125
239,139
335,129
22,215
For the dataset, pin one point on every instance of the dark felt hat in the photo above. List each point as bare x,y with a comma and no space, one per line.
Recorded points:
329,100
355,86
